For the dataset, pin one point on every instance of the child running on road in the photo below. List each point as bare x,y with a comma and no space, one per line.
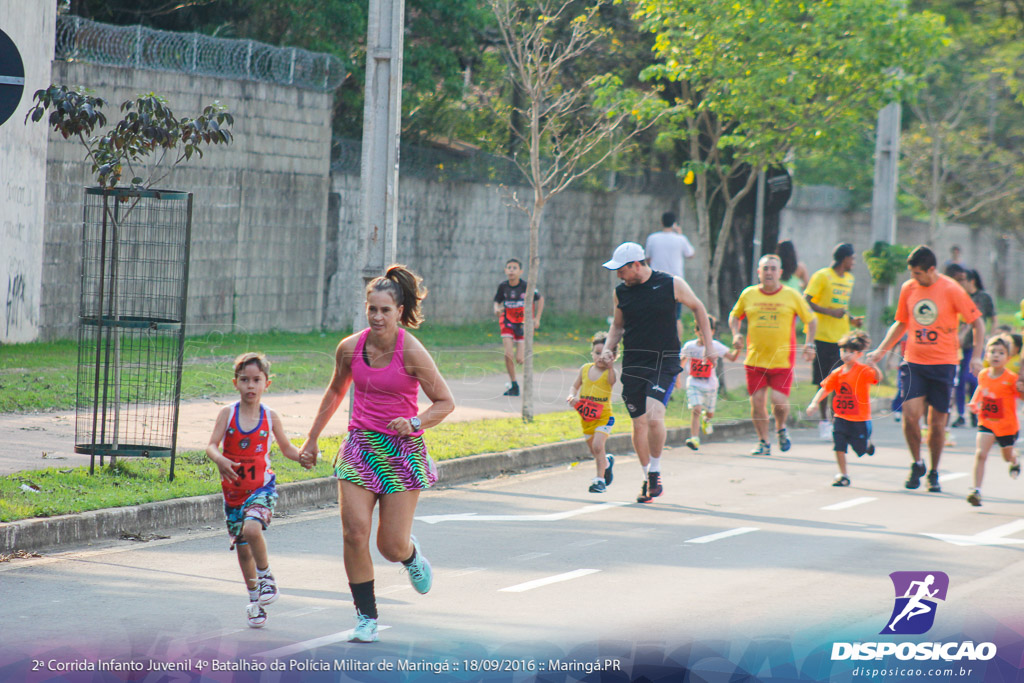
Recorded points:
246,429
851,383
995,404
591,398
702,382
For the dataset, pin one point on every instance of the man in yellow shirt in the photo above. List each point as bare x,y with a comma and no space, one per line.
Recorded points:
771,311
828,294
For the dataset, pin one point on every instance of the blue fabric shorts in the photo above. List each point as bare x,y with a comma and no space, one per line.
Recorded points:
934,382
855,435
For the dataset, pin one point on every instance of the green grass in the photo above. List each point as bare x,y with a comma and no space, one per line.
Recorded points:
136,481
42,376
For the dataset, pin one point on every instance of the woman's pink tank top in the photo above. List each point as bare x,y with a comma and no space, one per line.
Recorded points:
382,394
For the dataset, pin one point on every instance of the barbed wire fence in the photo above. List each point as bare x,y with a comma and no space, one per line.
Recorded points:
81,39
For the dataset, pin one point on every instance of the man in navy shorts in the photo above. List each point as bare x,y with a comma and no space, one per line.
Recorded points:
927,312
644,319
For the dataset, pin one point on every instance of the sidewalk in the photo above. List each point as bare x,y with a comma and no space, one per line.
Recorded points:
40,440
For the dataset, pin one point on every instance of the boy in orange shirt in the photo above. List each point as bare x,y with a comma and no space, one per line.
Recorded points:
995,404
851,384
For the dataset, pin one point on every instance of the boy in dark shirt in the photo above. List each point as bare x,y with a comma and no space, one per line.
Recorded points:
509,307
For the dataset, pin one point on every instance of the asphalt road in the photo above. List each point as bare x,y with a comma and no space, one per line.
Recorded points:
745,561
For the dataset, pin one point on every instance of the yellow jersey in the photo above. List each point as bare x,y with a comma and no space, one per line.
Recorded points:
595,396
771,325
830,290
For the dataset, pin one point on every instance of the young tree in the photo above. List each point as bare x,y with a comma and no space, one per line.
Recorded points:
568,128
753,84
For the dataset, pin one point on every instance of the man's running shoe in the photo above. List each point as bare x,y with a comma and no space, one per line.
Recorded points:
933,482
974,497
871,448
654,487
511,389
598,486
959,422
1014,470
421,576
897,415
268,590
705,423
256,615
608,476
917,471
841,480
825,430
643,497
693,442
365,631
763,448
784,443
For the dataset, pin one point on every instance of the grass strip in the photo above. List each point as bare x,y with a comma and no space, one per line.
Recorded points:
56,491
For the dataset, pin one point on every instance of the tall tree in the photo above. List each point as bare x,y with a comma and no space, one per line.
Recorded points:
568,128
752,84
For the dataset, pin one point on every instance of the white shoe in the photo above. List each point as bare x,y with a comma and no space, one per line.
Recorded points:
256,614
825,430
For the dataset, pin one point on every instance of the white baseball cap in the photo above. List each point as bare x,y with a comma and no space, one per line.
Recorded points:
627,252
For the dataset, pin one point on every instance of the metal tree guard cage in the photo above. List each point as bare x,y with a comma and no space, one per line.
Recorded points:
135,255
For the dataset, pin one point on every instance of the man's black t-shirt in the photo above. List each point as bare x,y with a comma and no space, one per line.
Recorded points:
649,334
512,299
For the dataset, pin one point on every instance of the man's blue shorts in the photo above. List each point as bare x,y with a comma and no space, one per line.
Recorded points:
934,382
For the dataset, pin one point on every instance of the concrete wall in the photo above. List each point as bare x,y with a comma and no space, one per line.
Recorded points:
459,235
23,173
260,206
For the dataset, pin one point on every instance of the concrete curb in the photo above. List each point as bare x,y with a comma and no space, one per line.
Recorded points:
201,511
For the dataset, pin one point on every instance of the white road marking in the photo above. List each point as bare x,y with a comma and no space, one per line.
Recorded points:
309,644
537,583
397,588
468,570
950,476
301,612
552,517
530,556
853,502
584,544
722,534
994,536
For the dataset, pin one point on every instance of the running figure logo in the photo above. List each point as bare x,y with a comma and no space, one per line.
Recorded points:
916,596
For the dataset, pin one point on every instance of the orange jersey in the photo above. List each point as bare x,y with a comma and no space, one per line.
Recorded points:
852,387
930,314
996,402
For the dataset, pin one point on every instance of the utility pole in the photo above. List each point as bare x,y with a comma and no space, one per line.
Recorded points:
382,114
758,225
883,207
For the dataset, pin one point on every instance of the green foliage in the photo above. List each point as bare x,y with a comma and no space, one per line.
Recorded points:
886,262
148,125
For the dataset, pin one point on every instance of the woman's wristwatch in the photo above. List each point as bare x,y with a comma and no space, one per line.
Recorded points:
415,423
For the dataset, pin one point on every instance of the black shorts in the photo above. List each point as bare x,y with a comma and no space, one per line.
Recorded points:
1004,440
855,435
934,382
826,359
639,383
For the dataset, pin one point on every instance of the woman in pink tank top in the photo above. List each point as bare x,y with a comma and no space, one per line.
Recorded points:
384,457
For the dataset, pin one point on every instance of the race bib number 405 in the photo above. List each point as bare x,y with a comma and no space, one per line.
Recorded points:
589,409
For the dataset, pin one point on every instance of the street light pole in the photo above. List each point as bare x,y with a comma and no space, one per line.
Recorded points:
382,114
883,207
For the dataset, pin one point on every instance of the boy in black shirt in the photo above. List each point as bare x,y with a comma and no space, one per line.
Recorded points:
509,307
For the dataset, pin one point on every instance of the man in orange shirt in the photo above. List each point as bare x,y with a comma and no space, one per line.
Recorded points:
927,312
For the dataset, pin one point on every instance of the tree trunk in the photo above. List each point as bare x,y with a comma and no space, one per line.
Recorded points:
533,272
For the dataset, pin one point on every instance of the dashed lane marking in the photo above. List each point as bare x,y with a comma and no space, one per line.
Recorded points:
557,578
722,534
853,502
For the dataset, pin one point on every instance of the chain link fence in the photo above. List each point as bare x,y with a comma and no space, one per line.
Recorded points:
143,48
474,166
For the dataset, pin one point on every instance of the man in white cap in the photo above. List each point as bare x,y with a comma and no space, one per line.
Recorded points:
644,319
